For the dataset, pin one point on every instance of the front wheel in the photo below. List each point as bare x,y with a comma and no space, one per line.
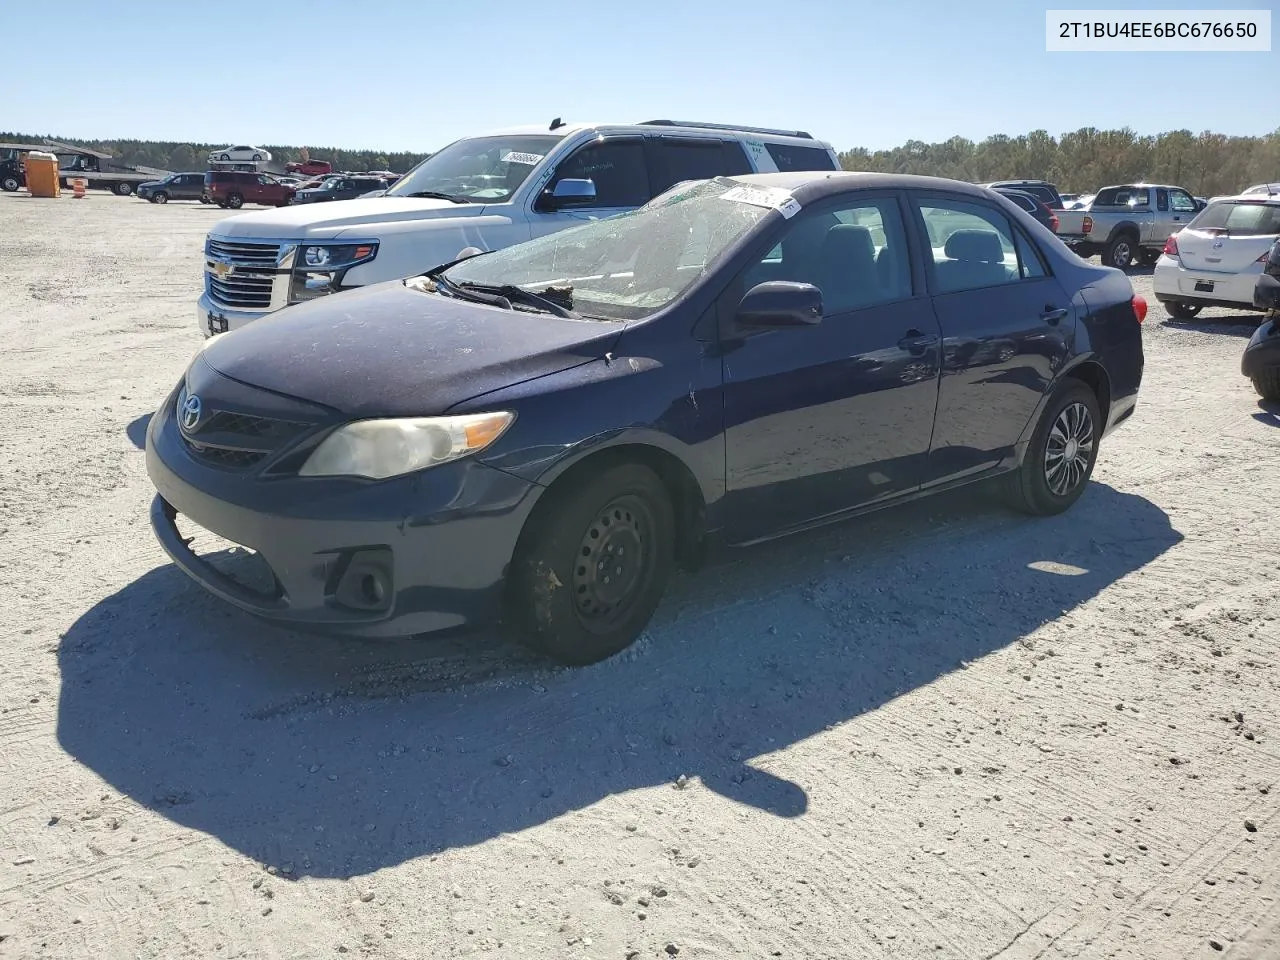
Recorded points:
124,189
1120,252
1059,462
592,565
10,184
1183,311
257,157
1267,383
235,201
160,198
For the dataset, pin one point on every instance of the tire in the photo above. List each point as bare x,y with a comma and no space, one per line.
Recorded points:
561,605
1267,383
1054,472
257,158
1148,258
1183,311
222,204
204,199
160,197
224,157
235,201
10,184
1120,251
122,189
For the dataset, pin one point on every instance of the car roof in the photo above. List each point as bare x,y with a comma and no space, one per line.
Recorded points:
653,126
811,186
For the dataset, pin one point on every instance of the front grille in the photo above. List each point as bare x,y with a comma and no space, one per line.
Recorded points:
223,456
242,290
238,441
247,425
245,252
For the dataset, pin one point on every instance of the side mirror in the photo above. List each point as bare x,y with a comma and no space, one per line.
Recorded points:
571,193
781,303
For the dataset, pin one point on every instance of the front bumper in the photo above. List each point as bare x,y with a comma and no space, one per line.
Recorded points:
437,543
213,318
1172,282
1263,351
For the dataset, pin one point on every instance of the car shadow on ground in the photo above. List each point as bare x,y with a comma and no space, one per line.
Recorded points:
335,758
1231,324
137,431
1268,413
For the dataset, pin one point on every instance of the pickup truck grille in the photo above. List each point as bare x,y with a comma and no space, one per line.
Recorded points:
245,252
251,291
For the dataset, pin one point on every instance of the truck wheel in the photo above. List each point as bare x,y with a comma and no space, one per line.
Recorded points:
1267,383
1148,258
123,189
10,184
235,201
591,567
160,197
1120,252
1182,311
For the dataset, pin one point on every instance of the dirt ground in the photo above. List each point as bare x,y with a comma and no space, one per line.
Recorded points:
945,731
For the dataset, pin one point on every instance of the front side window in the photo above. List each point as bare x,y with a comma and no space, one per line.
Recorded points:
1181,202
629,266
971,245
856,254
478,169
616,167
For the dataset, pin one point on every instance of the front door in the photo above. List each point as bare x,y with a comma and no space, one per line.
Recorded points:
1007,327
617,168
824,418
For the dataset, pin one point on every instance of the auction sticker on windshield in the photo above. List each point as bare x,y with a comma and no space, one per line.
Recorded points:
775,198
528,159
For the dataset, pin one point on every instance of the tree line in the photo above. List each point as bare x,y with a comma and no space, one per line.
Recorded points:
1207,163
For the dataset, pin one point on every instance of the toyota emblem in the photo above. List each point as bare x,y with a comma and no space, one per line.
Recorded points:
190,413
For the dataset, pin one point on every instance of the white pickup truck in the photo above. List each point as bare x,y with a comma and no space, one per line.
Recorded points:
478,193
1127,222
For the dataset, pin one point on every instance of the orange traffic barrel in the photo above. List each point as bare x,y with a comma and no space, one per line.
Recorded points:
77,187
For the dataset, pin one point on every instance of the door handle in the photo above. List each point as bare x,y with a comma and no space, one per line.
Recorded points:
1052,315
915,342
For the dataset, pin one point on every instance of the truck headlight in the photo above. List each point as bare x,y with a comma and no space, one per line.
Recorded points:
378,449
319,269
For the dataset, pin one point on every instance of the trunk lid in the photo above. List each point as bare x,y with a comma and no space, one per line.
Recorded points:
1229,236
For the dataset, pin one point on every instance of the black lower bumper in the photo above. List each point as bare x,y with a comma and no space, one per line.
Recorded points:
395,558
1263,351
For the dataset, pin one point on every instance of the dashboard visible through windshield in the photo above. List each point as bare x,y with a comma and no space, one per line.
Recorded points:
478,169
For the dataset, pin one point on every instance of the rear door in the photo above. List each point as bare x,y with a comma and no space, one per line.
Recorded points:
673,159
1007,327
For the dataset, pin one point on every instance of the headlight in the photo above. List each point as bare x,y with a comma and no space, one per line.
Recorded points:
320,267
378,449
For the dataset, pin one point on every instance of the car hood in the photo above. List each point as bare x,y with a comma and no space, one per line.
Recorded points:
389,350
286,222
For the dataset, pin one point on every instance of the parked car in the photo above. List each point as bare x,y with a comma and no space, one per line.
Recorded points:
576,438
339,188
243,154
233,188
176,186
309,168
1217,259
1127,222
489,192
1033,206
1267,189
1042,190
1261,360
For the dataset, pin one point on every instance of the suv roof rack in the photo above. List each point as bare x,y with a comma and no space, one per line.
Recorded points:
726,126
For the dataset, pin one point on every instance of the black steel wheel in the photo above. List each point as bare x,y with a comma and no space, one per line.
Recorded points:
1064,448
9,184
592,564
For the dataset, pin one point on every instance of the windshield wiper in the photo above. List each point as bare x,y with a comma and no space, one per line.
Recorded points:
542,301
433,195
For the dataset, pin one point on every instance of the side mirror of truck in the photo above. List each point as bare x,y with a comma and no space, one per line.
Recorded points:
570,193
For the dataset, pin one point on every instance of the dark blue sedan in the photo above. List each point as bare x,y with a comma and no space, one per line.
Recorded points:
540,434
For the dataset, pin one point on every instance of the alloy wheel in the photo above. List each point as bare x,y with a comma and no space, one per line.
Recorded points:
1069,449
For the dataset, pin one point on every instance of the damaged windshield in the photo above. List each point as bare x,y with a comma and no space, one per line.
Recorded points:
476,170
629,266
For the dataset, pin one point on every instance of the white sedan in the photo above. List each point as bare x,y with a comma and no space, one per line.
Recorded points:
1215,261
245,154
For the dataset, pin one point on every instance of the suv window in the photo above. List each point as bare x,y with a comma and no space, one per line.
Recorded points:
855,254
787,157
617,167
1123,197
1181,201
673,159
971,245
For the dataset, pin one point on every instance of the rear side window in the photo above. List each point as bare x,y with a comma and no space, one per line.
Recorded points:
1043,194
787,157
1239,219
1162,199
1123,197
673,159
971,245
618,169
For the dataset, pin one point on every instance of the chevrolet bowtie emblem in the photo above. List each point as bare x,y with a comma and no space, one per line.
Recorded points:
222,270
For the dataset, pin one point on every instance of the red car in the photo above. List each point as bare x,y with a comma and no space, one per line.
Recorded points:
310,168
231,188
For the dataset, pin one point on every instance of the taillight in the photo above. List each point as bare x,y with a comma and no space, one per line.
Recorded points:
1139,308
1171,247
1264,258
1088,225
1053,218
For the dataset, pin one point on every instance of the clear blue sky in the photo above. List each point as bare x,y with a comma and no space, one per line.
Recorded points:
415,75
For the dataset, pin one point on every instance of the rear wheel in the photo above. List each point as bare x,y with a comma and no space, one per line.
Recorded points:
1183,311
160,197
123,189
1267,383
1120,251
10,184
1060,459
235,201
591,567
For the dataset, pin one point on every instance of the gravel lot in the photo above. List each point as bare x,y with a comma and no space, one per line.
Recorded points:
945,731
